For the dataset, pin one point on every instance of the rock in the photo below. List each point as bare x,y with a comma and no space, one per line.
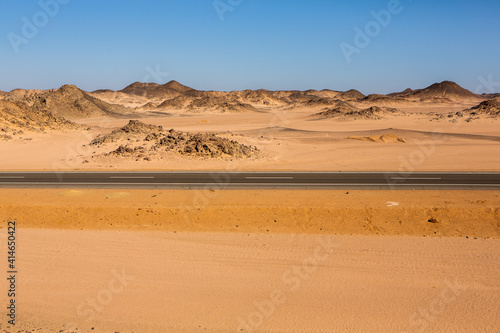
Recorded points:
155,140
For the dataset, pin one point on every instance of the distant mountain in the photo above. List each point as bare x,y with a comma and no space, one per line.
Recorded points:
177,92
72,102
491,96
446,91
67,101
350,95
174,85
153,90
401,94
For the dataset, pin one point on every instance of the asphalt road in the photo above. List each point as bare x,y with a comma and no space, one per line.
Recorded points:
247,180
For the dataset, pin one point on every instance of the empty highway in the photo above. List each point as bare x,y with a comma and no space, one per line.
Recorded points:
249,180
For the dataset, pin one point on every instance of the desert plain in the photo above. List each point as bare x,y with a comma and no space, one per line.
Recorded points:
215,260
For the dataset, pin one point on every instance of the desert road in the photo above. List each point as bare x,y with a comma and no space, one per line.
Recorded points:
248,180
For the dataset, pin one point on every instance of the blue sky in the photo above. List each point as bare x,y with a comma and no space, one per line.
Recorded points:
267,44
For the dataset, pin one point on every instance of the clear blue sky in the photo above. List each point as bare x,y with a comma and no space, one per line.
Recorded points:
288,44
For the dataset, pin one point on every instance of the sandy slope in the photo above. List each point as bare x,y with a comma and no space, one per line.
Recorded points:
163,282
428,213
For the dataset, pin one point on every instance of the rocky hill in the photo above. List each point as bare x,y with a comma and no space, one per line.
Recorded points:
491,96
153,90
489,109
346,111
19,116
71,102
350,95
175,96
68,101
446,91
377,99
137,140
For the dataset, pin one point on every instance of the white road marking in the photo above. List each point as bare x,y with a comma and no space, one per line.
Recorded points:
404,178
268,177
245,184
117,177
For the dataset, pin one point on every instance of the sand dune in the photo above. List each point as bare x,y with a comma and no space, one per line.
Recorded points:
384,138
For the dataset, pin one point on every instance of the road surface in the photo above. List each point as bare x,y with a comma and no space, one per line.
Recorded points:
248,180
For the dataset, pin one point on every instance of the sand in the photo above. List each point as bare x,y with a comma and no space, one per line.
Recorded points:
254,261
412,213
117,281
288,141
212,260
283,125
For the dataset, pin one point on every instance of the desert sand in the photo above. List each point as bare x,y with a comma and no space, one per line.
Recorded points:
294,143
413,213
212,260
441,127
118,281
254,261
